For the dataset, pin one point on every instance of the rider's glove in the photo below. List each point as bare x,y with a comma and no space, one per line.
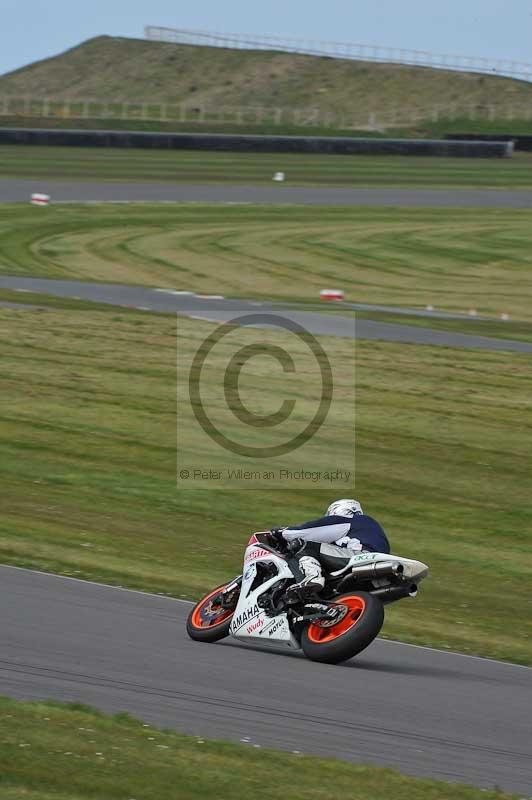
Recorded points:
276,535
295,545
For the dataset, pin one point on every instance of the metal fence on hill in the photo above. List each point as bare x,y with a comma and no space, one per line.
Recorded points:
347,50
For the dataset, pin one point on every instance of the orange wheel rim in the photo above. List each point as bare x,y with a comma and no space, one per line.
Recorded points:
208,614
356,607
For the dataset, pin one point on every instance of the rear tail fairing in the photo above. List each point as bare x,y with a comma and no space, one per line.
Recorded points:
413,570
385,575
263,569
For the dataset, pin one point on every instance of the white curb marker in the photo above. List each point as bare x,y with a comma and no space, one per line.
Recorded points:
331,294
38,199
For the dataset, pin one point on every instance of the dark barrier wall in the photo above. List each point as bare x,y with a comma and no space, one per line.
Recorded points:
257,144
520,142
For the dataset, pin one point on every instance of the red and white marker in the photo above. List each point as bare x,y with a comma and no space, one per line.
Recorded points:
38,199
331,294
505,317
472,312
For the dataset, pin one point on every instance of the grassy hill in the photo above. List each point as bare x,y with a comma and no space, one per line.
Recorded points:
108,68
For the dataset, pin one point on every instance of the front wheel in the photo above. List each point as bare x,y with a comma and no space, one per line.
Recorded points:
356,629
209,621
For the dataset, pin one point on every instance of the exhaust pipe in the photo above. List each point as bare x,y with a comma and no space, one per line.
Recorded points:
392,569
378,570
389,594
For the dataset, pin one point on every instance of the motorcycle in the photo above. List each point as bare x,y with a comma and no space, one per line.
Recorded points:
335,625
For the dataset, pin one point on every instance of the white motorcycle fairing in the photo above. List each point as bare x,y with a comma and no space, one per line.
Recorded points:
249,620
411,569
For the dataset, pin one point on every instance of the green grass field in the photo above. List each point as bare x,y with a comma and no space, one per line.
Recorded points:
88,469
453,259
182,166
50,751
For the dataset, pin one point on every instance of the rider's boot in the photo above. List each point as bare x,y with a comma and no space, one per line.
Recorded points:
309,578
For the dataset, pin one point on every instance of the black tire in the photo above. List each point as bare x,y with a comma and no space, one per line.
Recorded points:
339,645
212,632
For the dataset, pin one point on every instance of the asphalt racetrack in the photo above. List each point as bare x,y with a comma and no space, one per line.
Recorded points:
423,712
19,190
219,309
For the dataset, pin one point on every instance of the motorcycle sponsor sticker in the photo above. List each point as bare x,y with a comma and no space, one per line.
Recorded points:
364,557
257,552
245,616
275,627
255,625
250,572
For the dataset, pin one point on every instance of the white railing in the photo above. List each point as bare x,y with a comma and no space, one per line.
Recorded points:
368,119
348,50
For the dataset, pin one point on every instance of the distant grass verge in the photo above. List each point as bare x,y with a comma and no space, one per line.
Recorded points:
424,129
52,751
451,258
191,166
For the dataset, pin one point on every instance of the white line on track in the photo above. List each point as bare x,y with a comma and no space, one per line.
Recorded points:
97,583
455,653
191,294
205,319
175,291
191,602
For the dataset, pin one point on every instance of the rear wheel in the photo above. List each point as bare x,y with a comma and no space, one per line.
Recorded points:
209,621
357,628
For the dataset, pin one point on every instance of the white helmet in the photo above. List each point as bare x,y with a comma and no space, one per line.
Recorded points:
344,508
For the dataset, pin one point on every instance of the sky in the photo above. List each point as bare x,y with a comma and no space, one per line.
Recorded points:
34,29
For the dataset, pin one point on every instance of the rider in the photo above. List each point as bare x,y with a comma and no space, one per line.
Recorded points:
344,525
